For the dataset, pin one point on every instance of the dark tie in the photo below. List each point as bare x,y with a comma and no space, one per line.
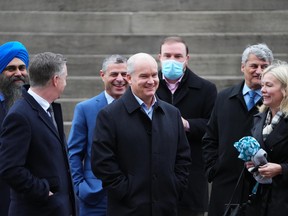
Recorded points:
51,112
251,102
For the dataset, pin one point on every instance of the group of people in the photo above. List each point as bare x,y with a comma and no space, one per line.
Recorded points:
148,144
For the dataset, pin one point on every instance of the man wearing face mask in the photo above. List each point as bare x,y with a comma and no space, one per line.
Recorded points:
194,97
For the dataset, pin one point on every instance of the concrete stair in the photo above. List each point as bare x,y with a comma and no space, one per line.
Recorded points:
86,32
140,5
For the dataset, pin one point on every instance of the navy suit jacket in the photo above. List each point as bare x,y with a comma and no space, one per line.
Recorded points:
87,187
34,160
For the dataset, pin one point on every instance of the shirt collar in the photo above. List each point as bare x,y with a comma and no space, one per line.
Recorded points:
141,102
246,89
43,103
108,97
173,86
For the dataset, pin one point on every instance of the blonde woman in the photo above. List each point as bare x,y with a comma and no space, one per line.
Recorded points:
271,131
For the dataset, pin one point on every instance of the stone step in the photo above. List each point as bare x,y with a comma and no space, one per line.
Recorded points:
145,23
86,87
140,5
81,88
106,44
202,64
92,86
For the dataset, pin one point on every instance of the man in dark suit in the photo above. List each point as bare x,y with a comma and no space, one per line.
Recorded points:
33,153
92,197
194,97
14,60
140,151
232,119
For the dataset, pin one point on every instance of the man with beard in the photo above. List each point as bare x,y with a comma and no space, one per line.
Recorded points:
14,60
34,160
92,197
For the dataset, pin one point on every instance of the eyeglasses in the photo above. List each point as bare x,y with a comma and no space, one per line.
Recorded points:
12,68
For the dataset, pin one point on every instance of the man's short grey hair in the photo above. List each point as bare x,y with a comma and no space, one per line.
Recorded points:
113,59
44,66
261,51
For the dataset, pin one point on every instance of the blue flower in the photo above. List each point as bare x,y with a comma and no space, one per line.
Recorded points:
247,146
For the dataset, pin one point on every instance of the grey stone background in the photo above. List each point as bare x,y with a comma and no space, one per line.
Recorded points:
86,31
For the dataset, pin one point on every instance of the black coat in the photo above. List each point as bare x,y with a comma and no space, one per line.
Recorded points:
229,122
272,199
143,164
34,160
195,99
4,188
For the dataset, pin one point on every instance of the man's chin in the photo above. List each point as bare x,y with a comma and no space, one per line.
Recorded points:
119,90
18,83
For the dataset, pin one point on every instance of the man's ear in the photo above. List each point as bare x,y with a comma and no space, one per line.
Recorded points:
242,67
129,78
55,80
101,73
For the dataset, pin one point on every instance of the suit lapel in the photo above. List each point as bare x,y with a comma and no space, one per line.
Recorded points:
58,118
276,136
2,112
258,127
43,115
101,100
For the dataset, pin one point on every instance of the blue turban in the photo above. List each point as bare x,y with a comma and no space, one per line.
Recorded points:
11,50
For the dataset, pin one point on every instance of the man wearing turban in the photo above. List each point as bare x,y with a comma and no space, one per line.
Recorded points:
14,61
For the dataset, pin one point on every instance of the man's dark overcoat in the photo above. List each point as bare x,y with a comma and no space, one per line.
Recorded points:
195,99
4,188
230,121
142,163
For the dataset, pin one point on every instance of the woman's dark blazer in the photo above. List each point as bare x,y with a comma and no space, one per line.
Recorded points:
276,146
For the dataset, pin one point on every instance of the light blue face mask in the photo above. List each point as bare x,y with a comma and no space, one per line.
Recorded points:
172,69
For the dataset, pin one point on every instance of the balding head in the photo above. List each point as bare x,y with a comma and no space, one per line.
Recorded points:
138,60
143,76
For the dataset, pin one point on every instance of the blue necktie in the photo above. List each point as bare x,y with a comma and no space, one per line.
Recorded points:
251,102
